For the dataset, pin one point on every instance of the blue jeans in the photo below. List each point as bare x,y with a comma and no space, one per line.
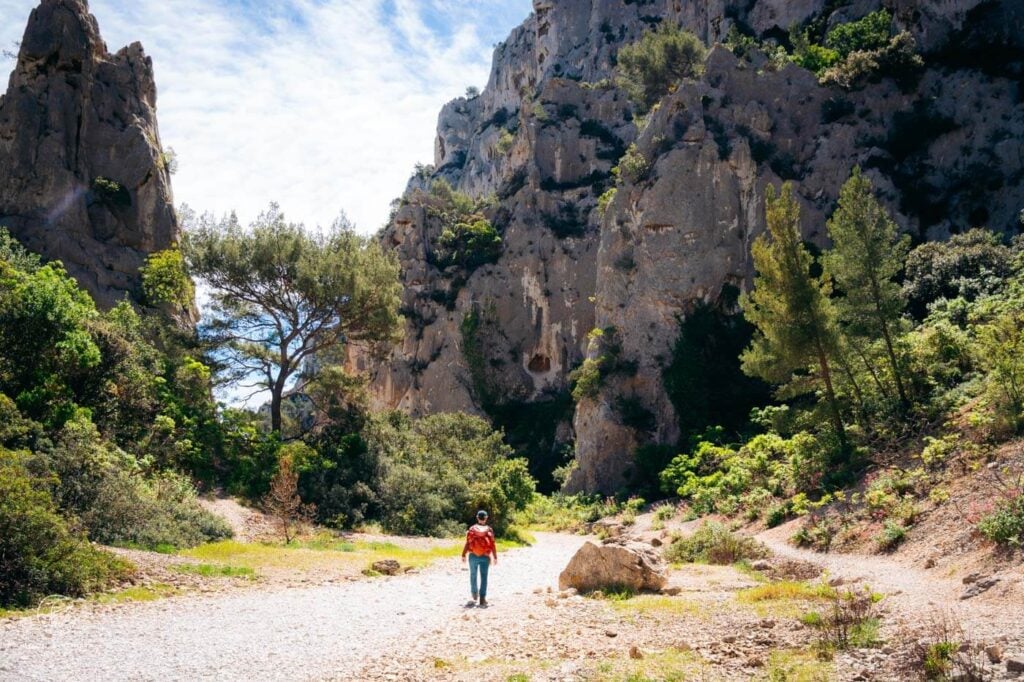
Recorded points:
478,564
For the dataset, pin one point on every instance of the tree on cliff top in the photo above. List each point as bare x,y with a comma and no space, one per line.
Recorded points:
653,67
280,294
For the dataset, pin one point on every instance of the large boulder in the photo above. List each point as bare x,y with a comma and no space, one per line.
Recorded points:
614,565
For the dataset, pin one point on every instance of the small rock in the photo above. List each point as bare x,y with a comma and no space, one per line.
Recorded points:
386,566
972,578
655,542
1015,663
930,563
610,633
761,565
767,623
635,653
672,591
729,639
994,653
837,581
755,662
979,586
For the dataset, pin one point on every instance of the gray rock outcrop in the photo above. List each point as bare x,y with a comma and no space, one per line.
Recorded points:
632,565
83,178
941,144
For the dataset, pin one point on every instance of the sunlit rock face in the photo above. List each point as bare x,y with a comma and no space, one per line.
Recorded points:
83,178
943,150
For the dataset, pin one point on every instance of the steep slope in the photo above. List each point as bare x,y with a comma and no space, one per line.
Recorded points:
83,178
941,143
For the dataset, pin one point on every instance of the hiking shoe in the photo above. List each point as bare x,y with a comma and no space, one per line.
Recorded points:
470,604
483,602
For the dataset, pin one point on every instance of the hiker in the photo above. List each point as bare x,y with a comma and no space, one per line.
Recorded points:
480,547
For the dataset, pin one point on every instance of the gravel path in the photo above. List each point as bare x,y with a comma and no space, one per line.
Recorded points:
319,632
918,597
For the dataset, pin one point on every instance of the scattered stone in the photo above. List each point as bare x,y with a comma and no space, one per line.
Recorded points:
767,623
1015,663
994,653
972,578
978,586
672,591
930,563
610,633
755,662
761,565
655,542
729,639
629,564
386,566
635,653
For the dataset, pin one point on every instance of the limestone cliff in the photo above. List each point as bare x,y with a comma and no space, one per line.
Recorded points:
83,178
942,144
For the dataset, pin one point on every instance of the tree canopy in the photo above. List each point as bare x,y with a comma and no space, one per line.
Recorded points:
280,294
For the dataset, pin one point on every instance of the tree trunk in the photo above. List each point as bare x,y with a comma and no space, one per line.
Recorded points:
275,409
830,395
904,400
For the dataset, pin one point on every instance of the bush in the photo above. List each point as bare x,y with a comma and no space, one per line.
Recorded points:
714,544
39,555
111,192
653,67
164,279
634,166
115,499
469,245
605,200
437,471
586,379
1005,525
870,33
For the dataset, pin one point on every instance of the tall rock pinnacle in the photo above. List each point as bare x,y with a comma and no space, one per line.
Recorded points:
83,178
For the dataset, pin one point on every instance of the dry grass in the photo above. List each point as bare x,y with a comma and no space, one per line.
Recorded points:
656,604
785,598
797,666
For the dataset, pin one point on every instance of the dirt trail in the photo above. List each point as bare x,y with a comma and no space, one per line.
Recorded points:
916,596
328,631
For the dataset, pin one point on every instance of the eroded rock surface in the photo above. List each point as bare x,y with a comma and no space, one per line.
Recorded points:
83,178
942,146
621,564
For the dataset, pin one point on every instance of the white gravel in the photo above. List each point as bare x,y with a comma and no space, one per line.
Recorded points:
291,634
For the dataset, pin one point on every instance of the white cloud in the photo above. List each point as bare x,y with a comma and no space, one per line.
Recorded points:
321,105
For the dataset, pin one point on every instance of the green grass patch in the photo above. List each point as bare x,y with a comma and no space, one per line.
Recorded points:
671,665
216,570
785,598
797,666
318,553
136,594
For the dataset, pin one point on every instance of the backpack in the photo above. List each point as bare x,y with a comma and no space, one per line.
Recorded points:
479,540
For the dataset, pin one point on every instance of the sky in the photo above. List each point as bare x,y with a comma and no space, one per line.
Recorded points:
323,106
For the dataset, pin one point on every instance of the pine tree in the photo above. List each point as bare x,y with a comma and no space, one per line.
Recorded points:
866,256
283,502
790,307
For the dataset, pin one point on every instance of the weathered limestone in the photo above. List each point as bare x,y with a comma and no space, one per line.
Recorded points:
83,178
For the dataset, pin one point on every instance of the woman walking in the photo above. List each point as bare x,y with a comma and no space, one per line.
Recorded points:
480,547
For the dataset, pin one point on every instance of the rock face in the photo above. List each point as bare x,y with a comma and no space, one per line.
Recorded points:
942,146
83,178
614,565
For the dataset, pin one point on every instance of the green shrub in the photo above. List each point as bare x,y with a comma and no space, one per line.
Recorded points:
39,556
892,536
469,245
505,143
165,280
1005,525
111,192
115,499
634,166
439,470
653,67
713,543
586,379
605,200
870,33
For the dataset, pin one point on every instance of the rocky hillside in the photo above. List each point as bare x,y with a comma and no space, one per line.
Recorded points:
83,178
535,152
